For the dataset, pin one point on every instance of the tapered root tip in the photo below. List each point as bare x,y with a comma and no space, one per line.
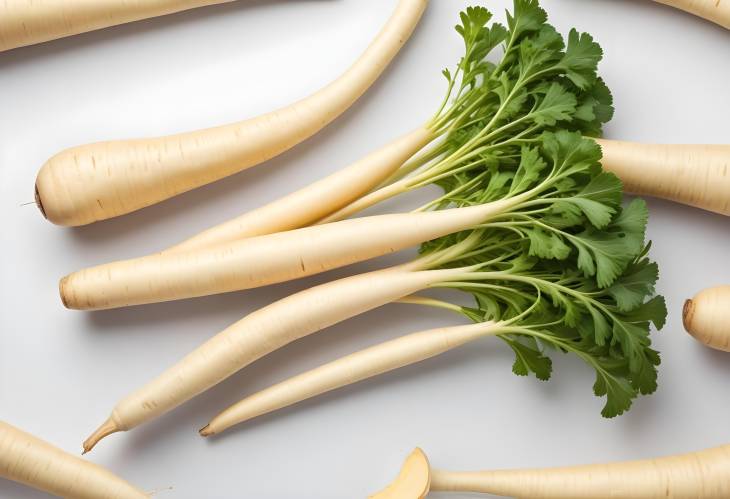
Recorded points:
206,431
688,312
104,430
39,203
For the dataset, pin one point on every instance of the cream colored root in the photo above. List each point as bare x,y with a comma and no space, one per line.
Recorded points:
717,11
94,182
697,475
413,481
262,332
697,175
26,22
309,204
31,461
351,369
707,317
262,260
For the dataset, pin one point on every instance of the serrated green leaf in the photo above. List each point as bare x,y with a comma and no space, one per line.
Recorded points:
545,244
630,289
530,360
581,59
558,104
618,392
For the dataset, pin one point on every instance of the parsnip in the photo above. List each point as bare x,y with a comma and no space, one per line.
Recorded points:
28,460
260,333
98,181
492,266
413,481
25,22
717,11
697,475
311,203
697,175
707,317
263,260
507,258
356,367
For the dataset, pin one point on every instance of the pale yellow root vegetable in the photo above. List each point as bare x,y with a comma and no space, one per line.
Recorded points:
359,366
413,481
263,260
697,475
697,175
707,317
309,204
264,331
98,181
25,22
717,11
31,461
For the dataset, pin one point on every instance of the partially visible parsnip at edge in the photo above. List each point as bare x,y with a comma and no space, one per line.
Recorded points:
98,181
717,11
31,461
27,22
692,174
706,316
703,474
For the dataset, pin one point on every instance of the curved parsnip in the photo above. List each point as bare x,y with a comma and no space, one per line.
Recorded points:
697,175
263,260
698,475
717,11
262,332
98,181
309,204
356,367
707,317
413,481
28,460
26,22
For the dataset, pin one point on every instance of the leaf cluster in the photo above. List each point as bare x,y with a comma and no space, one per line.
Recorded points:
552,306
541,82
565,267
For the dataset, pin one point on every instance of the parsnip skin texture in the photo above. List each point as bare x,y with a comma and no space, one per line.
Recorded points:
696,175
351,369
28,460
27,22
707,317
263,260
698,475
262,332
94,182
309,204
717,11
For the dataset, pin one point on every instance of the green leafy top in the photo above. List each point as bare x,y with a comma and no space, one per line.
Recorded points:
566,265
550,305
495,106
563,266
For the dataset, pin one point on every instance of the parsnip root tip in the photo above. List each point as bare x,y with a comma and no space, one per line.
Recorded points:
206,431
39,203
688,311
106,429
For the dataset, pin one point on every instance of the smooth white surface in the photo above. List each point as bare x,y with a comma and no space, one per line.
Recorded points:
62,371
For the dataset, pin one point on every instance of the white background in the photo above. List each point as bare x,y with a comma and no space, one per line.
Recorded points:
62,371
